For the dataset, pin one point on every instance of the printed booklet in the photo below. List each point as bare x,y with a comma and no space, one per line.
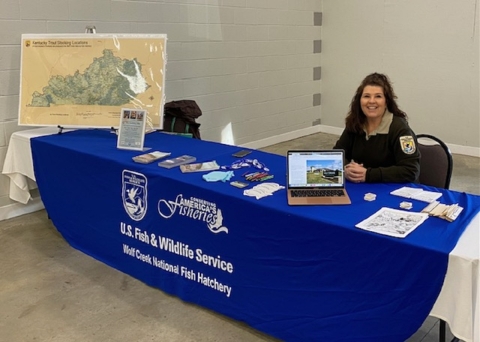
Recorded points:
169,163
148,158
198,167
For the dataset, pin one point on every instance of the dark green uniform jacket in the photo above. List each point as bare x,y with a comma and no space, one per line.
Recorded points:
389,154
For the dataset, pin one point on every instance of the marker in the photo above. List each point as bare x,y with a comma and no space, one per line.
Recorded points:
265,178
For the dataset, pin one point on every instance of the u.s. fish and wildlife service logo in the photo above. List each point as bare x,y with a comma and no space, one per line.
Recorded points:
134,194
408,144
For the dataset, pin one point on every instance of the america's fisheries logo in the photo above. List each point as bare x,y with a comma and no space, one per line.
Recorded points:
134,194
194,208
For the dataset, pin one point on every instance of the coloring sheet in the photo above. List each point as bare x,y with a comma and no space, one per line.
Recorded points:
393,222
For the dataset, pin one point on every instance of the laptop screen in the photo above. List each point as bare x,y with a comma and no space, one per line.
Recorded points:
315,169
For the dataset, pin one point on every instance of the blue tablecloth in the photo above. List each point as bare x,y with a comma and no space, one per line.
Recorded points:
297,273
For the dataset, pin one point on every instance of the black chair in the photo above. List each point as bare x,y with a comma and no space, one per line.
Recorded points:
436,163
436,166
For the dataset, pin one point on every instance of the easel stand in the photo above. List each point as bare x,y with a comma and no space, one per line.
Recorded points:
90,29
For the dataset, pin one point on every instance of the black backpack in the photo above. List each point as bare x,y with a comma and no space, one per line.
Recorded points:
179,117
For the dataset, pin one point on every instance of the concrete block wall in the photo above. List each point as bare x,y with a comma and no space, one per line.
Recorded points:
430,51
253,66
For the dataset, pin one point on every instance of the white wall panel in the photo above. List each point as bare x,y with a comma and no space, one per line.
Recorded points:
429,49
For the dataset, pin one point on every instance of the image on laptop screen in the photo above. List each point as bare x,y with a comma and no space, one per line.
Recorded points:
315,169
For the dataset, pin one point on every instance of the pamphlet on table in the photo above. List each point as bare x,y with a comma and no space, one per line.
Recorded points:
393,222
169,163
418,194
150,157
199,167
446,212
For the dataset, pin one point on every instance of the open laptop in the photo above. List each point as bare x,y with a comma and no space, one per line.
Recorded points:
316,177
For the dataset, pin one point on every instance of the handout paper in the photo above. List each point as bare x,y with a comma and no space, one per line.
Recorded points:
416,193
393,222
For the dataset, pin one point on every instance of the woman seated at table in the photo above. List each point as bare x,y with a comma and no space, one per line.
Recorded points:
379,145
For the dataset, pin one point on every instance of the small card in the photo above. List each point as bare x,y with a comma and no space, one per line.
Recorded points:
169,163
242,153
430,207
238,184
446,212
148,158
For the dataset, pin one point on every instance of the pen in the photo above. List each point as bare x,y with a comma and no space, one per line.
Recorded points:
251,175
259,176
265,178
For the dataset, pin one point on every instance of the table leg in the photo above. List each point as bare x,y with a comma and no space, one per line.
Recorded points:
443,328
443,333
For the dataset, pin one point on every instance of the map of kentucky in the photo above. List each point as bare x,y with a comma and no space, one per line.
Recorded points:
108,81
86,80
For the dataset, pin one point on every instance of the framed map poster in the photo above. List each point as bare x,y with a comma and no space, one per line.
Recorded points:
84,80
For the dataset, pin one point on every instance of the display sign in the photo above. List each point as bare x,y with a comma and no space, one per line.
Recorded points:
84,80
131,133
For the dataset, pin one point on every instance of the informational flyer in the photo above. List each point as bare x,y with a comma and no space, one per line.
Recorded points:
131,133
83,80
417,193
393,222
199,167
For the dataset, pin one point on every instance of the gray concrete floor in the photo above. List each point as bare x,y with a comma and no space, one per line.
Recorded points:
52,292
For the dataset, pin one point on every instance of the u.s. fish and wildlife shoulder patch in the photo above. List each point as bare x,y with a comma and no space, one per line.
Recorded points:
408,144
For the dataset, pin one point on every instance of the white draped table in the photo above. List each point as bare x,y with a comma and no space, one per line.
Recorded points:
18,164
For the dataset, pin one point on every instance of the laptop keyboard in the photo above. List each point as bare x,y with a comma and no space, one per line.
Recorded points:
318,193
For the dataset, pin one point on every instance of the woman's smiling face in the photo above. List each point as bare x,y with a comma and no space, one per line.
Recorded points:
373,102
